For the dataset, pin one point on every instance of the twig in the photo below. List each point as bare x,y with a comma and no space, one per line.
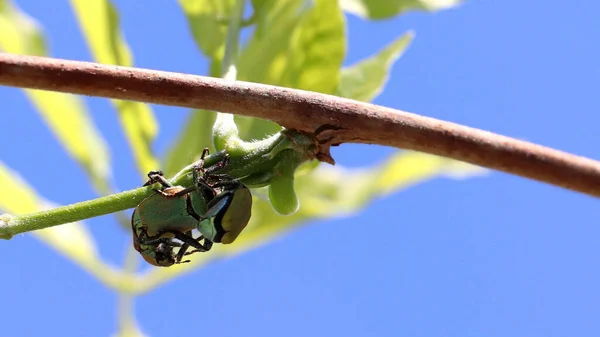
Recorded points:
11,225
341,120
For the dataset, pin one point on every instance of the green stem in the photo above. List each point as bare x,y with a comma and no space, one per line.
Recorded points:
261,157
127,323
11,225
225,127
232,42
125,307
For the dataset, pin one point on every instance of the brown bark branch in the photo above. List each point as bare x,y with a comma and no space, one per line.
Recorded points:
345,120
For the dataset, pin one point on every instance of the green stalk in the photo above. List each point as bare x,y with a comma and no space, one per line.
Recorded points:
232,42
11,225
225,128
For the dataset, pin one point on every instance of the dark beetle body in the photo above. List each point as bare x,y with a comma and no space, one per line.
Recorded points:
217,205
228,214
158,254
163,217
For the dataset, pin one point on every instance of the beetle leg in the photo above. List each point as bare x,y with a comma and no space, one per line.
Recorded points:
203,250
207,243
231,183
145,239
155,241
193,242
199,164
157,177
221,164
151,174
203,184
207,246
205,153
182,252
182,192
198,180
216,179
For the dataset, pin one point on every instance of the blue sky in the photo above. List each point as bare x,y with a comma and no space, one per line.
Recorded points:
491,256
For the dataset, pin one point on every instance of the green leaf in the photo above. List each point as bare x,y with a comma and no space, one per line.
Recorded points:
72,240
64,114
130,330
259,5
264,58
207,22
317,50
323,193
377,9
99,22
364,80
294,45
21,34
195,136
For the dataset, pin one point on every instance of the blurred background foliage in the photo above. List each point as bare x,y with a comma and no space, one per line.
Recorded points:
295,43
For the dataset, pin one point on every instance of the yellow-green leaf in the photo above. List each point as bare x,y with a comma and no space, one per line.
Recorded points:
73,240
264,58
196,135
364,80
207,22
21,34
377,9
64,114
99,22
317,50
330,194
323,193
17,197
130,330
294,45
259,5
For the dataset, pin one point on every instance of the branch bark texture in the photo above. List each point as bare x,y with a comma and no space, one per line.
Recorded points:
338,120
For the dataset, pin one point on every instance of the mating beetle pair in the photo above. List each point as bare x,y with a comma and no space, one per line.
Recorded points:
217,205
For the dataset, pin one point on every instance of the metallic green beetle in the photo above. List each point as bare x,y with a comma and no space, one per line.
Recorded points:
160,219
158,250
172,213
229,208
228,212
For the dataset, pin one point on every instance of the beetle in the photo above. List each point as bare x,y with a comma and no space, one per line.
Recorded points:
174,211
171,213
161,218
229,207
158,249
227,213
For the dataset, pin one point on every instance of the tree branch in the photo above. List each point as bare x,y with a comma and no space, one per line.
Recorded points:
338,120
